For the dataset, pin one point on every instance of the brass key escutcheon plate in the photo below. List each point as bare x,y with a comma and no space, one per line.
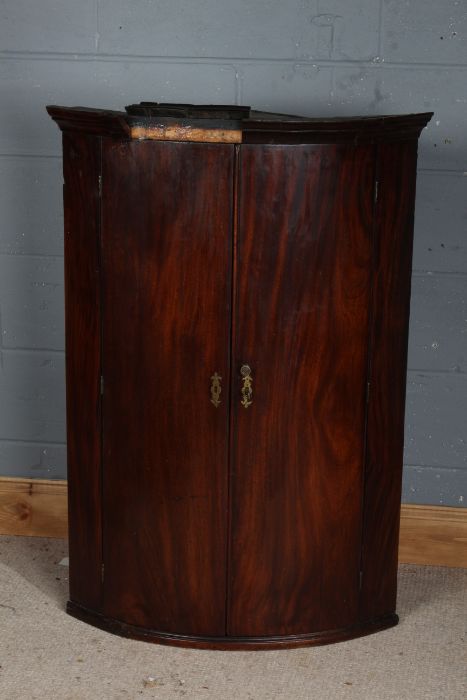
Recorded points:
216,389
247,388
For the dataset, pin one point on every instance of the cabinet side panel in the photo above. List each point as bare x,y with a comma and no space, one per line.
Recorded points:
388,364
166,236
82,309
304,265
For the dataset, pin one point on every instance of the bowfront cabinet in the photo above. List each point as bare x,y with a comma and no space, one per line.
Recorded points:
237,300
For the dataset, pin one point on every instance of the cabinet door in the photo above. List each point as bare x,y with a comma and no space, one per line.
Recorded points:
166,249
302,312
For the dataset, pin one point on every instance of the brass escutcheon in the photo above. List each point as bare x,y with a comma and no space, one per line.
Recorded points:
216,389
247,388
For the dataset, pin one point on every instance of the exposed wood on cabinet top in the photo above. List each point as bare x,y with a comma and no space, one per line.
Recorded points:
182,132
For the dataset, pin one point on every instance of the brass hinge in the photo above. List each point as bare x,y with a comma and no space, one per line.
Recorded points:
100,185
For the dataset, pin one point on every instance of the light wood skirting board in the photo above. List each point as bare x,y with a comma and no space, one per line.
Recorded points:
35,507
433,535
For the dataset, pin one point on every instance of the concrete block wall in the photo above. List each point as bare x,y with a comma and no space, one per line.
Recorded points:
314,57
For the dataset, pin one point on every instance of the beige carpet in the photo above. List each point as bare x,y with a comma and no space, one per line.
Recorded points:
46,654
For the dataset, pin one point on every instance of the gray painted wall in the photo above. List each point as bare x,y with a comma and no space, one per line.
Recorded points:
315,57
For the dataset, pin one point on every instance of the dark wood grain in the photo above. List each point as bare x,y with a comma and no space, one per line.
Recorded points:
304,263
271,526
100,122
396,165
81,168
369,129
166,231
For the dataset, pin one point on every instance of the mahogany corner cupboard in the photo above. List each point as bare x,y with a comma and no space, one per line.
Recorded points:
237,290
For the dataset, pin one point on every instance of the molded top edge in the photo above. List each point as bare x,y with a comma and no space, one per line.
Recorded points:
253,124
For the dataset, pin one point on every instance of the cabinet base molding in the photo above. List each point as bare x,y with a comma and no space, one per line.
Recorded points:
233,643
431,535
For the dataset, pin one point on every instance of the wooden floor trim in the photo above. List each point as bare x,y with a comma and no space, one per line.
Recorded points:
433,535
35,507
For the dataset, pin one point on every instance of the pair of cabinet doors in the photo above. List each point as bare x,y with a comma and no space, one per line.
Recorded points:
232,501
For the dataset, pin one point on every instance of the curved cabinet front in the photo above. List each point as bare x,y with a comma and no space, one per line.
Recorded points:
238,305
